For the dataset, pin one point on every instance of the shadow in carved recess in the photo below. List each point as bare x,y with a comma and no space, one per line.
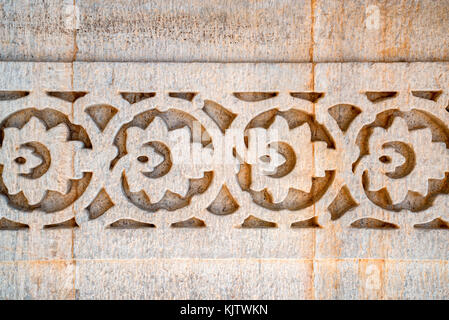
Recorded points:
164,167
6,224
296,199
99,205
189,223
254,96
101,114
173,119
371,223
344,114
285,150
413,201
405,150
40,151
12,95
305,224
134,97
309,96
52,201
379,96
224,203
183,95
170,201
50,118
428,95
435,224
342,203
69,96
253,222
69,224
415,120
220,115
130,224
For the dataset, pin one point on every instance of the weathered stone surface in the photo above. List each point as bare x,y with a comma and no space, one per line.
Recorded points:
37,280
195,279
380,31
229,31
112,195
37,30
194,31
380,279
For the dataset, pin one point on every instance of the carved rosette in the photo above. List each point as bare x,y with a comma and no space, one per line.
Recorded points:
161,156
279,172
402,159
36,162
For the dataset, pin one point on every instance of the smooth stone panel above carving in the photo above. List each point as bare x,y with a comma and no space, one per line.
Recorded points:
224,31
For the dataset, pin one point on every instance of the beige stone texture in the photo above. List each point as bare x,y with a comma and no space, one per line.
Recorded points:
224,31
109,112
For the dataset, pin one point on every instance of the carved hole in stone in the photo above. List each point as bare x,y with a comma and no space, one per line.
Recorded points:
253,222
220,115
379,96
371,223
101,115
6,224
142,159
69,224
134,97
69,96
224,203
435,224
305,224
429,95
385,159
342,203
189,223
20,160
344,114
309,96
254,96
130,224
12,95
183,95
99,205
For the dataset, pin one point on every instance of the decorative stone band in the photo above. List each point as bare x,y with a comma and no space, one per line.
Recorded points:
248,145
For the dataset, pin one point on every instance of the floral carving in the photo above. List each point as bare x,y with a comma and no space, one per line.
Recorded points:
162,160
36,160
283,175
401,159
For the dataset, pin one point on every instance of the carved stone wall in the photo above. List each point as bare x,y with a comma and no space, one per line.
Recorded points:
211,180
